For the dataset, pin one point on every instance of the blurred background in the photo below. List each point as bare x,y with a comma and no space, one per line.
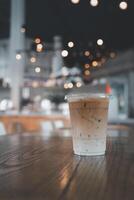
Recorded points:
51,48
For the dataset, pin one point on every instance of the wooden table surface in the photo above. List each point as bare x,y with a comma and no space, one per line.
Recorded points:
43,167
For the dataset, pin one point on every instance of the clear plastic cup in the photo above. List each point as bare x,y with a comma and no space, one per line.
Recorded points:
89,114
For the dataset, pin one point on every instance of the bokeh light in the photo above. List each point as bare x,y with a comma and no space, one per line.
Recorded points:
33,59
78,84
39,47
123,5
70,44
37,40
94,3
64,53
75,1
100,42
86,65
70,85
18,56
37,70
94,63
87,72
87,53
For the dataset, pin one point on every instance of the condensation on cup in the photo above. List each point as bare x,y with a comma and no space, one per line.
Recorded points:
89,114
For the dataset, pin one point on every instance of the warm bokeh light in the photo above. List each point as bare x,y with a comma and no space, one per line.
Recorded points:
100,42
18,56
33,59
75,1
87,72
94,3
70,85
70,44
87,53
37,40
37,69
64,53
78,84
66,86
123,5
39,47
87,66
94,63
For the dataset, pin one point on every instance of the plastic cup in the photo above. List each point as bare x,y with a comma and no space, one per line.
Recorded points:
89,114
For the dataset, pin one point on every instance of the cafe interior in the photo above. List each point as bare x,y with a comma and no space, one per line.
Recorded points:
48,50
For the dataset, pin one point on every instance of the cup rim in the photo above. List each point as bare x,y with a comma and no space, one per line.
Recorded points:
82,96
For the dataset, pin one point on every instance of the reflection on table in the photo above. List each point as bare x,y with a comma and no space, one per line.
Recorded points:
43,166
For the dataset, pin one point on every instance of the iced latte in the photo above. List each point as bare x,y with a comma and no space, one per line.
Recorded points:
89,123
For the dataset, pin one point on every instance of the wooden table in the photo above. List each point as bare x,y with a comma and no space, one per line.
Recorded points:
39,167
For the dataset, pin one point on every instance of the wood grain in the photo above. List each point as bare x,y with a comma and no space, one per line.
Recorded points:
36,167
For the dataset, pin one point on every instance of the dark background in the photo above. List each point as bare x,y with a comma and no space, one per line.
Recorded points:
80,23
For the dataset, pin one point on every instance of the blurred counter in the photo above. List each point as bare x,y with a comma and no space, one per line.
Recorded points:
30,123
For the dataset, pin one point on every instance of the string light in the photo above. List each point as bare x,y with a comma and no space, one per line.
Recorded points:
70,44
18,56
94,3
87,72
70,85
78,84
64,53
33,59
86,53
94,63
100,42
123,5
66,86
37,69
87,66
75,1
37,40
39,47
